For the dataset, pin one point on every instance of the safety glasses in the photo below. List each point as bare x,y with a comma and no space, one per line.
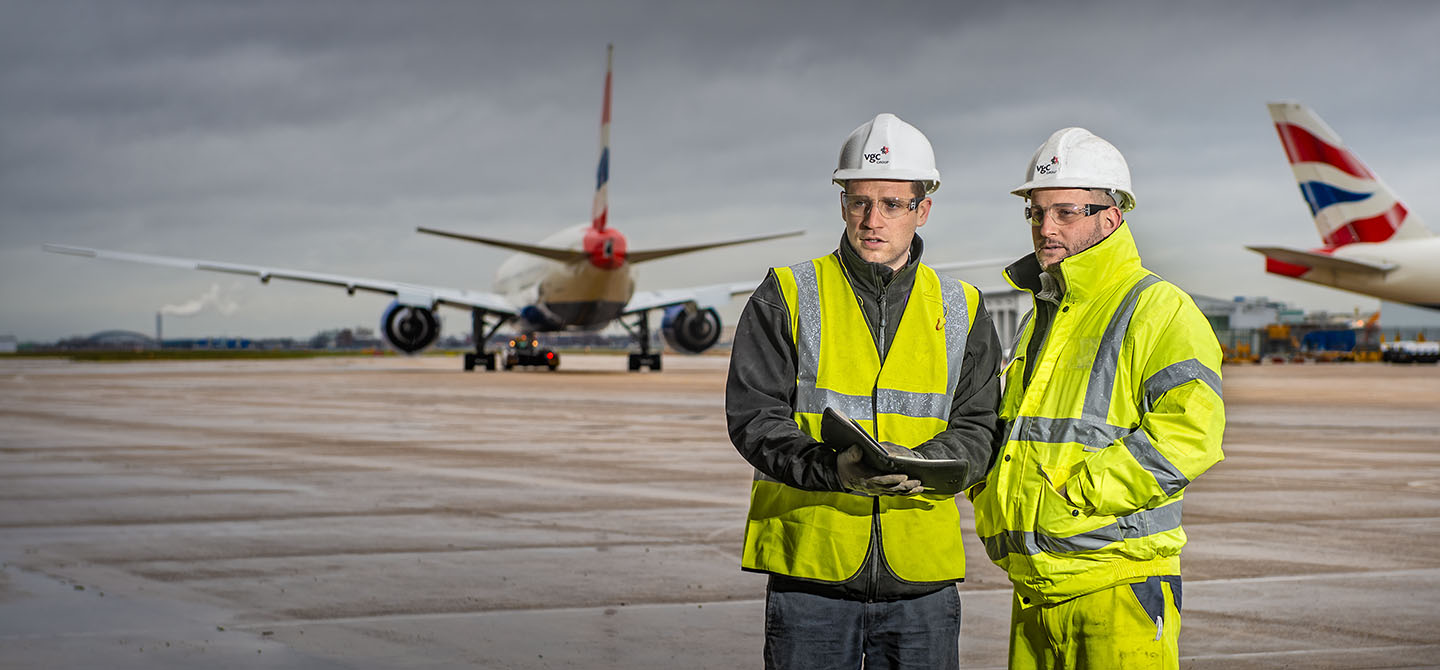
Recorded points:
1063,213
857,207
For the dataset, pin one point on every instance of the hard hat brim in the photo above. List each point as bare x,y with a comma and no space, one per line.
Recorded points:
930,177
1127,201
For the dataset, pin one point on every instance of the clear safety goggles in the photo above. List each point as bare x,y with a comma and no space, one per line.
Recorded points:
1064,213
857,207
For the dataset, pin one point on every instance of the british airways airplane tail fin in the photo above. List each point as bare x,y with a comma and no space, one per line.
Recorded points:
600,211
1350,204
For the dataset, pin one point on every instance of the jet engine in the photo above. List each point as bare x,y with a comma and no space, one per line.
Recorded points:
409,328
691,330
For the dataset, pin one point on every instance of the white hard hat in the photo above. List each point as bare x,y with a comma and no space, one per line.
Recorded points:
888,148
1076,158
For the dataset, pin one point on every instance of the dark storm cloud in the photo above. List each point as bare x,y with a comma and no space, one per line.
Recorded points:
318,134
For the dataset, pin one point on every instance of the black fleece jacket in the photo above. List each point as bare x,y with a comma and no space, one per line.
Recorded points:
761,388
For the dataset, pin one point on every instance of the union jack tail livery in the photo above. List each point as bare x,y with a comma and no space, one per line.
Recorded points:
601,210
1350,204
1373,244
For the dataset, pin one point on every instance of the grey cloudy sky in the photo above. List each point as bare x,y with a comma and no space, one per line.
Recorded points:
317,135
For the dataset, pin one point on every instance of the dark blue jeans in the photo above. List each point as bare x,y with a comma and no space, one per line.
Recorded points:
804,631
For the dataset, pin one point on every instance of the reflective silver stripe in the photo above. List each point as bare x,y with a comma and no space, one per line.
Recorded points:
1096,435
918,405
1140,524
957,327
812,400
1000,545
807,336
1166,474
1176,374
1060,431
808,397
1107,358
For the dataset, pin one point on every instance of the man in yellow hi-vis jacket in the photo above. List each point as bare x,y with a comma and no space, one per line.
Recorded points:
1112,406
863,564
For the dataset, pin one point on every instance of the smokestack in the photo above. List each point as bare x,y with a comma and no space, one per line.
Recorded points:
159,331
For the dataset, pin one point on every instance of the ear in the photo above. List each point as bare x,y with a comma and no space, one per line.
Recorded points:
923,210
1110,220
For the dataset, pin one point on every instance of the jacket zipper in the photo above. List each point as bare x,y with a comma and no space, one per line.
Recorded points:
873,585
883,315
872,581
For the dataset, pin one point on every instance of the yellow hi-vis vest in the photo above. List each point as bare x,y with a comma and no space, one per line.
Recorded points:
1123,410
826,535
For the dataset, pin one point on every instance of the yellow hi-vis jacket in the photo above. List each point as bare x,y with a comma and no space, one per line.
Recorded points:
1123,409
906,400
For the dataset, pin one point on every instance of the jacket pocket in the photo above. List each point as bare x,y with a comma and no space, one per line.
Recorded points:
1067,529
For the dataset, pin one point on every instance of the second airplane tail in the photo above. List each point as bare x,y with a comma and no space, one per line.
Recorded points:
1350,204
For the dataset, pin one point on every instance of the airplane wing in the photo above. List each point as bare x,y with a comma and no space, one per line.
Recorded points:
408,294
1312,259
714,295
571,255
652,254
562,255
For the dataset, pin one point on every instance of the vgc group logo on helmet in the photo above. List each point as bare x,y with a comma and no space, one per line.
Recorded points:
882,158
1042,168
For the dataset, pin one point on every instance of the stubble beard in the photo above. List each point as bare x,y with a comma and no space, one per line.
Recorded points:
1096,236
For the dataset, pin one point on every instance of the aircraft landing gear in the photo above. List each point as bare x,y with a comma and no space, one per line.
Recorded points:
485,359
640,360
481,357
641,333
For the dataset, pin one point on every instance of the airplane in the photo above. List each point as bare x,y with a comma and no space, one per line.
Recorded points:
579,278
1374,245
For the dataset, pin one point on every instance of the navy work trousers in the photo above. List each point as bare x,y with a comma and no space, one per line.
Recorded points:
804,631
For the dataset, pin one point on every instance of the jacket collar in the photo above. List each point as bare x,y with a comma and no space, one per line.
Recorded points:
1088,273
876,275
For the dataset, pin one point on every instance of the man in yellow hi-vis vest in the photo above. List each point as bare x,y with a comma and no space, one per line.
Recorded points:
1112,406
863,564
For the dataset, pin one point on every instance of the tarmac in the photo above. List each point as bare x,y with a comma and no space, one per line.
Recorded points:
395,512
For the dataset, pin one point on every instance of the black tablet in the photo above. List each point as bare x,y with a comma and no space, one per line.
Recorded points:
938,476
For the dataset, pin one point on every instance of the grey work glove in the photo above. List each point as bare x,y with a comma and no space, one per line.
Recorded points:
856,476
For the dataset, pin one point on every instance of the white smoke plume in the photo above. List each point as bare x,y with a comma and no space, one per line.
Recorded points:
211,298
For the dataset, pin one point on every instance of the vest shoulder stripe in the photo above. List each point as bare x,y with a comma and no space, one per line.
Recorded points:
959,317
807,322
